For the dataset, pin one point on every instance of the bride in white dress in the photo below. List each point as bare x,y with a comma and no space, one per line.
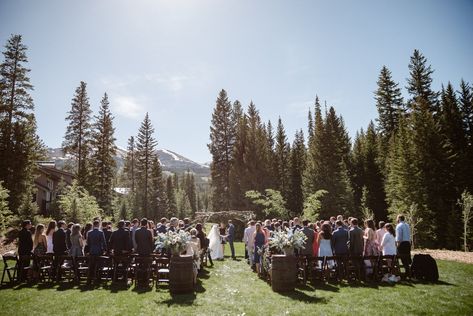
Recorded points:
215,243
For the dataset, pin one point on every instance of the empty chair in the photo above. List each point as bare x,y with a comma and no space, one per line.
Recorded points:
81,267
121,267
143,271
162,270
10,268
44,264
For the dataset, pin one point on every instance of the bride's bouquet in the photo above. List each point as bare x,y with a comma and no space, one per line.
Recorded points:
174,241
285,240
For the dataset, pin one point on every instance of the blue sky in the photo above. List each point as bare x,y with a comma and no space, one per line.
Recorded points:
171,58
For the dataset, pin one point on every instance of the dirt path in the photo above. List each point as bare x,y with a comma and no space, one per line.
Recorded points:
460,256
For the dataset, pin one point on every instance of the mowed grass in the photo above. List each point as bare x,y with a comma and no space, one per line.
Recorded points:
231,288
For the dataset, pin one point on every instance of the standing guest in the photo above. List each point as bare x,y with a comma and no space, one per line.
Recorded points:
97,246
144,239
339,239
380,233
162,226
68,234
173,224
268,225
297,224
403,242
134,228
277,227
77,242
40,244
333,220
259,240
355,236
231,238
371,248
120,241
49,236
249,242
25,240
315,244
59,239
309,233
127,225
204,242
266,230
107,233
388,243
325,242
193,248
88,227
25,246
187,223
222,230
285,226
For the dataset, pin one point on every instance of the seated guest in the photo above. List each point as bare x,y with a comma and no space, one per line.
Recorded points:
77,242
309,233
107,233
162,226
97,246
59,239
339,239
144,239
120,241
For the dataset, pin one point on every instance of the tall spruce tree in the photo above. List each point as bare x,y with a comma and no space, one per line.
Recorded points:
20,147
103,164
295,200
171,198
158,194
419,84
77,140
466,108
145,153
282,158
389,103
222,139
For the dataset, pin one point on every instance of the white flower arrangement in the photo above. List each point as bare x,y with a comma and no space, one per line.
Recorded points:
284,240
174,241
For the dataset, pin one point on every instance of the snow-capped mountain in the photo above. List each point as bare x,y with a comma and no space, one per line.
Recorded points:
170,161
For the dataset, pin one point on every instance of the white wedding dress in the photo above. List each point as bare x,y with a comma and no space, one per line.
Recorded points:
215,243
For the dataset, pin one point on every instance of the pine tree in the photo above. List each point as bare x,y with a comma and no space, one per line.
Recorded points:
103,166
171,198
295,200
20,147
222,139
314,173
389,103
419,84
282,158
77,140
466,109
158,204
189,188
129,168
145,153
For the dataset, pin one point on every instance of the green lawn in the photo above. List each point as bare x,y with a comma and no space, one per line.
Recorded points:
230,288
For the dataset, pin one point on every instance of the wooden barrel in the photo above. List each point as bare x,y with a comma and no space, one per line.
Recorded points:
181,274
283,273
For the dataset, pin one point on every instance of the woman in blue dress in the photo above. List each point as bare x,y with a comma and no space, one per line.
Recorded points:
259,241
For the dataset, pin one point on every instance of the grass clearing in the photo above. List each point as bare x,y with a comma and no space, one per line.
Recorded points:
230,288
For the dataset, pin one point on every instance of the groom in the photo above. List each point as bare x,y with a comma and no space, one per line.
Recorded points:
231,237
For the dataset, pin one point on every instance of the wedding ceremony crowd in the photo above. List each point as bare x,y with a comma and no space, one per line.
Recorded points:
334,244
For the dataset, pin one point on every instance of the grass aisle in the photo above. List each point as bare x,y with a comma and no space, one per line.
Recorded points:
230,288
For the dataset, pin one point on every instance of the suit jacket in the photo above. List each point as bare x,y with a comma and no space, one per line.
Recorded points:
25,242
68,238
310,234
356,241
59,241
107,233
120,241
96,242
231,233
340,242
144,241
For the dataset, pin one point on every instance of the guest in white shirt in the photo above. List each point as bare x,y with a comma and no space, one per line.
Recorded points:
388,244
249,241
380,233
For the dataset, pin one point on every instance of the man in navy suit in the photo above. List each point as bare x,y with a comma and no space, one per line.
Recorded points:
231,238
97,246
340,240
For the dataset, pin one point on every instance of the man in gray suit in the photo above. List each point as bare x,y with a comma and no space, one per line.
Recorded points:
231,238
356,239
309,233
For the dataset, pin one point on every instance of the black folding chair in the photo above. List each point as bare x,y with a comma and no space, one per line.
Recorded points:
104,268
81,268
65,268
371,264
162,270
121,267
317,268
143,271
10,268
45,266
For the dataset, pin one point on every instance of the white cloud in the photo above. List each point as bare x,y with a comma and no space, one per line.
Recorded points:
173,82
127,106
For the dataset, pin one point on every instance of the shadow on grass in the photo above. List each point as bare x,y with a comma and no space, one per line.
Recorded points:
303,297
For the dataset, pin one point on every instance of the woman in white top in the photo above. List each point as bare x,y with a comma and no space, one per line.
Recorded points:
49,236
388,244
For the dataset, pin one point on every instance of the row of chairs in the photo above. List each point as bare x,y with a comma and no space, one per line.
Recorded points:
347,267
50,268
